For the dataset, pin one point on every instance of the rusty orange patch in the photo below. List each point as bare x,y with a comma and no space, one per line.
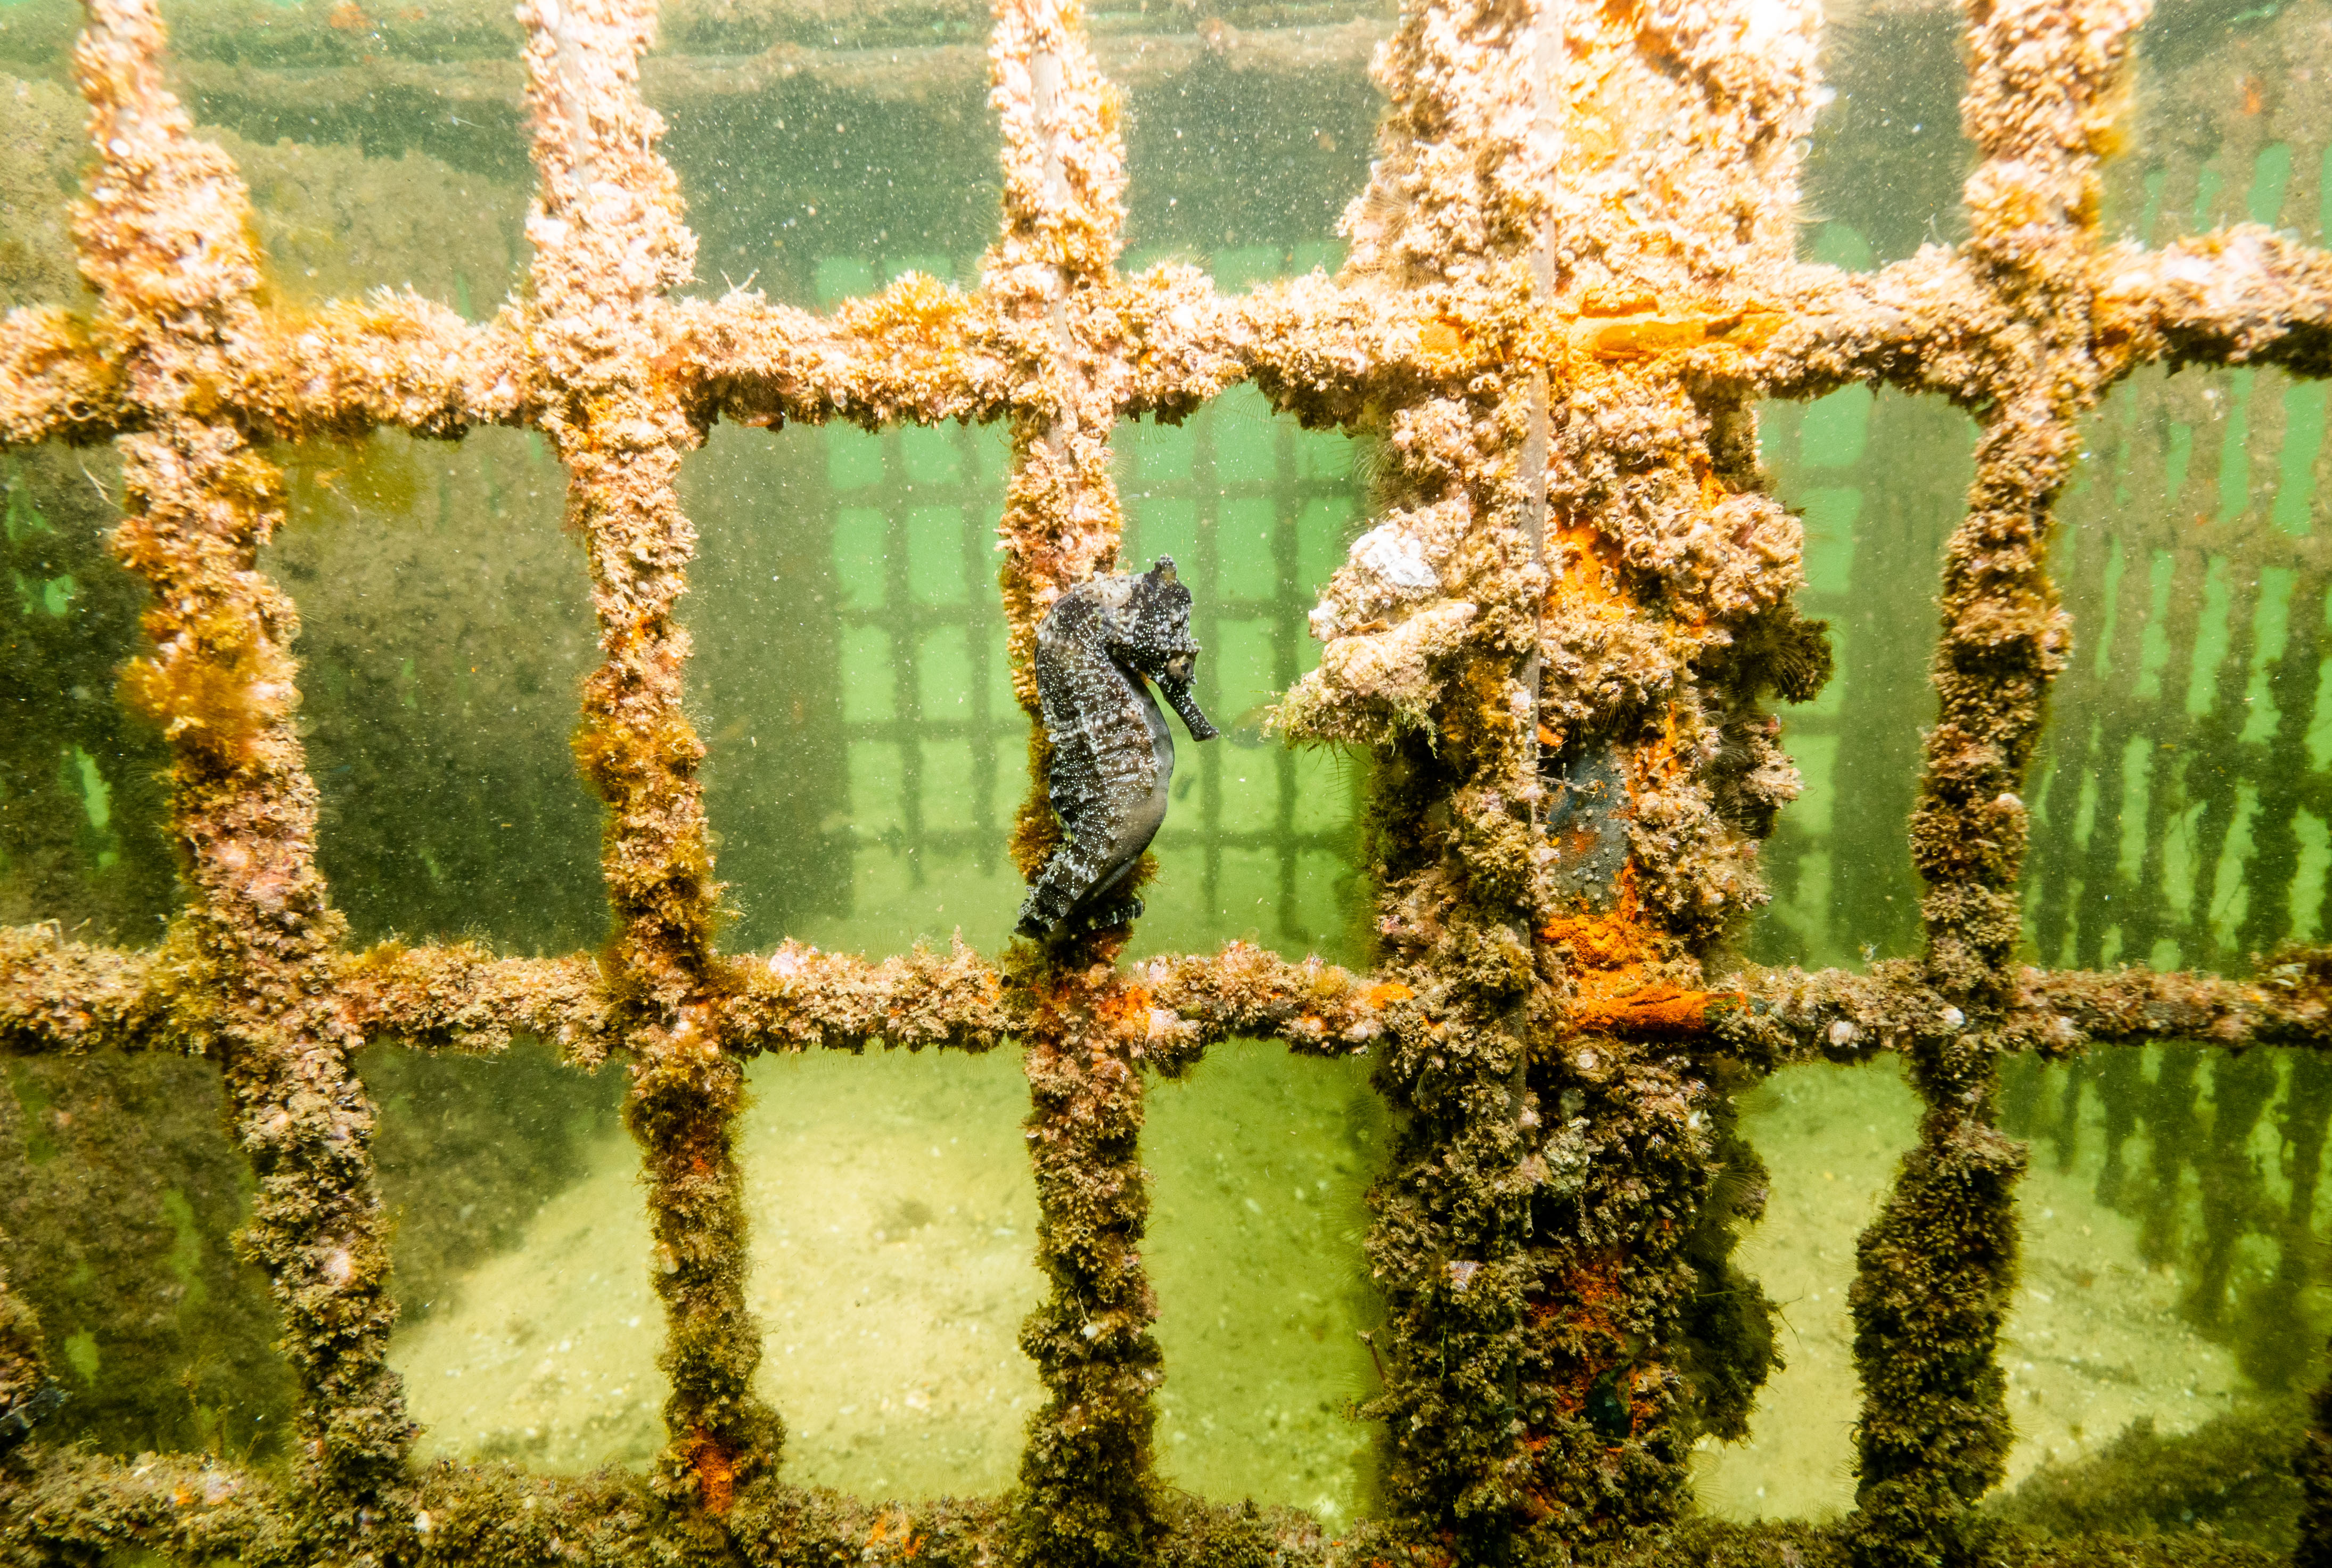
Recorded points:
1441,338
1591,574
1615,990
1659,1008
716,1472
1599,942
1385,993
1120,1006
1646,337
1618,301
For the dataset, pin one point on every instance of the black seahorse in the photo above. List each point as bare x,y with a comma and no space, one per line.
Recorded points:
1112,756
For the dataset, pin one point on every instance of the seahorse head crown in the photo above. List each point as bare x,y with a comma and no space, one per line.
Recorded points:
1149,619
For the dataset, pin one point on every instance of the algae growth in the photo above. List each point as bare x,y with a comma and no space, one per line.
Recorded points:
1566,579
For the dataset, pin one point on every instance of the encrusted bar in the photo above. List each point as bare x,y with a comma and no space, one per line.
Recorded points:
1249,993
1776,1018
62,996
58,997
609,242
2290,1003
1925,324
1935,1268
461,997
55,384
1087,1494
163,238
393,360
75,1505
1049,274
799,998
2242,296
919,350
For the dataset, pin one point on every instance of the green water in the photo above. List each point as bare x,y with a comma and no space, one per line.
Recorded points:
865,757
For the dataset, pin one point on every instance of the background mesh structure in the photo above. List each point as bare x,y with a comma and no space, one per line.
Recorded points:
1255,513
2182,797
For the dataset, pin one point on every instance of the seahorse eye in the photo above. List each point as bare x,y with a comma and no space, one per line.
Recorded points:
1178,669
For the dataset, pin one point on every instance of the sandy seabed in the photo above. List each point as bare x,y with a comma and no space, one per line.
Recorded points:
2095,1340
894,1230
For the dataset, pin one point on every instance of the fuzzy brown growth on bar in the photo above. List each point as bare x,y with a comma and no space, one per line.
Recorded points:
395,360
461,997
1249,991
1922,324
2242,296
60,996
162,239
799,998
1777,1018
74,1505
57,995
609,242
2288,1002
919,350
54,383
1937,1265
1087,1496
1049,275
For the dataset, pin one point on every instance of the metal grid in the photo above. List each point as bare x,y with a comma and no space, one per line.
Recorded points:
1307,514
2185,790
2180,802
1518,337
915,544
927,524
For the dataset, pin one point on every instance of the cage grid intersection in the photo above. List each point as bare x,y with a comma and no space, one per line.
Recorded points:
1571,275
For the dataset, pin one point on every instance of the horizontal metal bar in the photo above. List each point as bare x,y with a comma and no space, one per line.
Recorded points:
63,998
1775,1018
58,997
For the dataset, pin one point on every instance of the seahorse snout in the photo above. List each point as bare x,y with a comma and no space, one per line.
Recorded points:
1177,694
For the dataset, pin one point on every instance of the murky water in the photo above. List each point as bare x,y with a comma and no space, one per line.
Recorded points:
866,756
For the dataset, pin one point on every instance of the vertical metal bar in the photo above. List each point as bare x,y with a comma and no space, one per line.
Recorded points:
164,236
1937,1267
1087,1494
609,242
904,627
1207,625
